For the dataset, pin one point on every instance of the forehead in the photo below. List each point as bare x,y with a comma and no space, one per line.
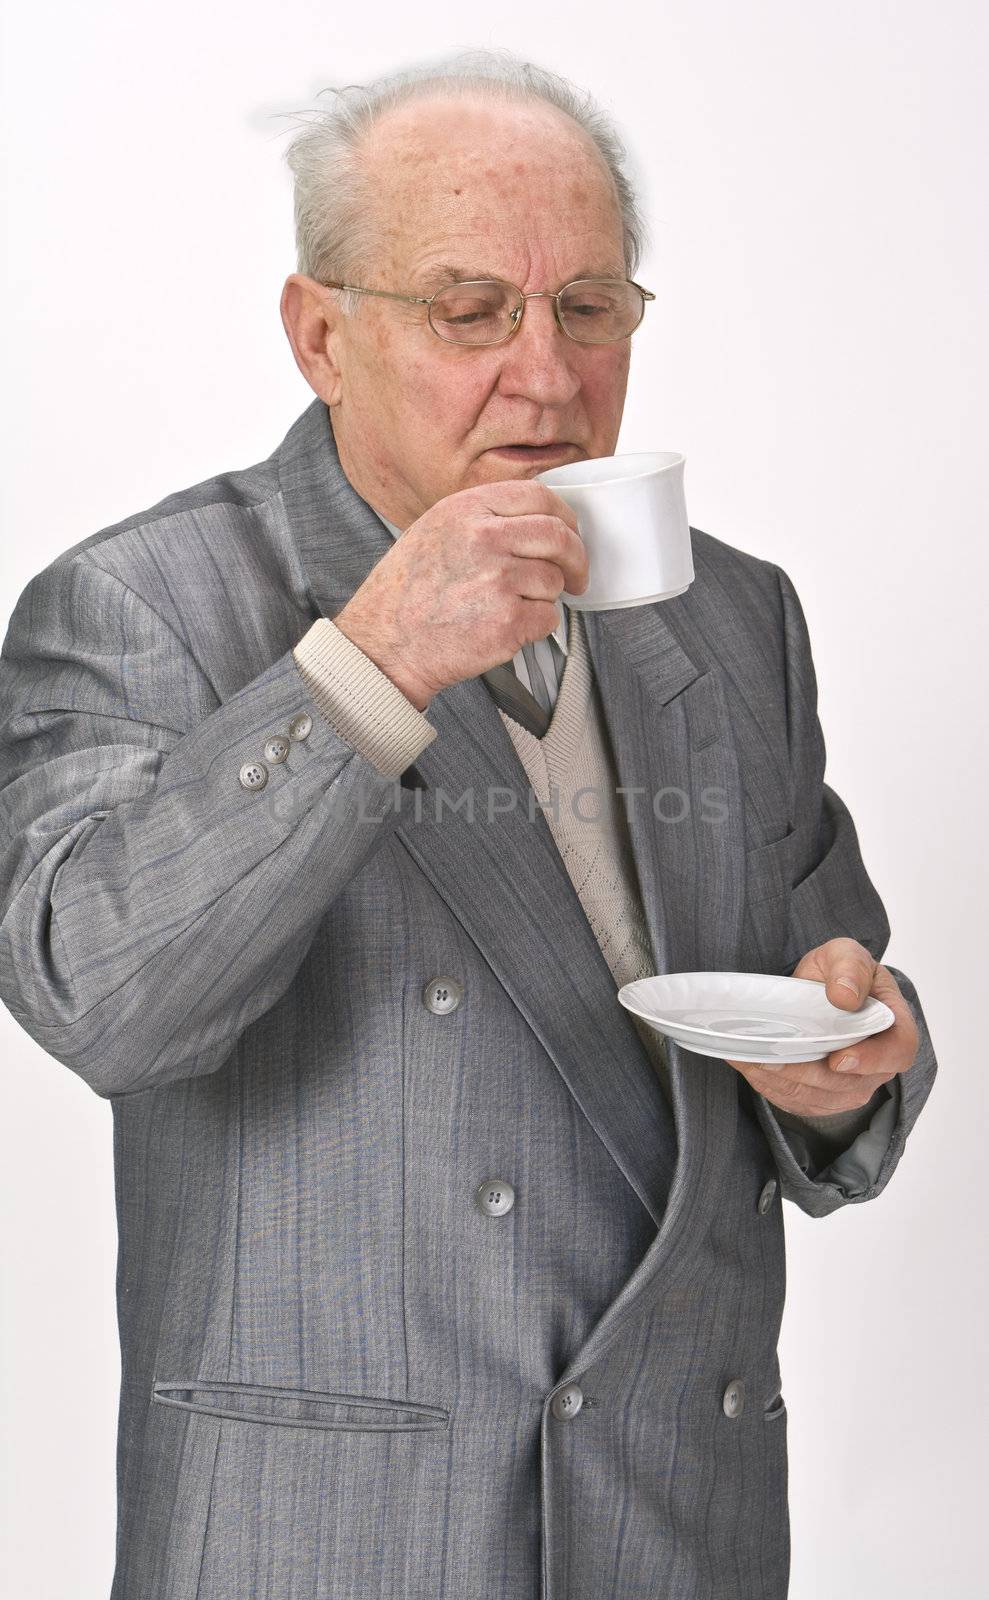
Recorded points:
430,274
469,186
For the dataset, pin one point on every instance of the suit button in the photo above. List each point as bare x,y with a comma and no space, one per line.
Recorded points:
733,1398
766,1198
567,1401
300,726
494,1197
442,995
254,775
277,748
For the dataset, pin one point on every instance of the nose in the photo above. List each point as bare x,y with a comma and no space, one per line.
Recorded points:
539,359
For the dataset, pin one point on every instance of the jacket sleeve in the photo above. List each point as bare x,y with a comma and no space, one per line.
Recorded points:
153,904
833,897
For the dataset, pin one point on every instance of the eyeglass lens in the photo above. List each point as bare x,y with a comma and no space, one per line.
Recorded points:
593,312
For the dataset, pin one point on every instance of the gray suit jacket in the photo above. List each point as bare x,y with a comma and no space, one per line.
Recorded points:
343,1374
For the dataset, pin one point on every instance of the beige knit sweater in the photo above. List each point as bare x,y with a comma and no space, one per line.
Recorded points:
364,707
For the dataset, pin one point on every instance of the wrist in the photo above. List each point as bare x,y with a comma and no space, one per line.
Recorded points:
373,649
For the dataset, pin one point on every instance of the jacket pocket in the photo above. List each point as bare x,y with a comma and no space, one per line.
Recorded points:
768,869
768,881
776,1407
299,1408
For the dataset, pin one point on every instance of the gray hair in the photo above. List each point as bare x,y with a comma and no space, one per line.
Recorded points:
334,217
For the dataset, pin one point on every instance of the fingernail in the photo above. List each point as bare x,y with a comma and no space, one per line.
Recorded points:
847,1063
846,983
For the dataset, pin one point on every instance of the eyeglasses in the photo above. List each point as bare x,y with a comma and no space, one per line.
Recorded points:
489,310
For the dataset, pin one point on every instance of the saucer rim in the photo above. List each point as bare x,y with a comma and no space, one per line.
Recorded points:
706,1033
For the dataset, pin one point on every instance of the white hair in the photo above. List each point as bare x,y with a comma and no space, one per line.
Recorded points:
334,216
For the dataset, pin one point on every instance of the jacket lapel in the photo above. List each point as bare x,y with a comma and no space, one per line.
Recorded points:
487,849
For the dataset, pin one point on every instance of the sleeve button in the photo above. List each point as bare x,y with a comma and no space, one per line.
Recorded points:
276,748
253,775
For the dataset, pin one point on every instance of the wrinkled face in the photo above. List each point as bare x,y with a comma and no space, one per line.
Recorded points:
508,192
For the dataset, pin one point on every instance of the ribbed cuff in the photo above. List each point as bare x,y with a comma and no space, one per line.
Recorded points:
359,701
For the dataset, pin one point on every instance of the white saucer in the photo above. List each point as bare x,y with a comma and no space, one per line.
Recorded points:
751,1016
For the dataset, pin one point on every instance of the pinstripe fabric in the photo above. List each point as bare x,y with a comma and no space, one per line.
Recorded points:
518,702
337,1371
544,680
814,1140
551,655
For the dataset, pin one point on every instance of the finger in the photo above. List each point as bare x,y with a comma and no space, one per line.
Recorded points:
534,578
881,1054
890,1051
537,538
849,972
812,1077
796,1077
563,510
816,1092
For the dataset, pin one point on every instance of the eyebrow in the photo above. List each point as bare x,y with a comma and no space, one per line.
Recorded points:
443,272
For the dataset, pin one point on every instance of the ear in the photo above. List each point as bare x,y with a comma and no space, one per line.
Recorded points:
312,321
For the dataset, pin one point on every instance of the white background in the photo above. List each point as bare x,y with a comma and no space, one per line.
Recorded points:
818,350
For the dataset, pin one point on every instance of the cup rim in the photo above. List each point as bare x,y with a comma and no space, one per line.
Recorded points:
625,477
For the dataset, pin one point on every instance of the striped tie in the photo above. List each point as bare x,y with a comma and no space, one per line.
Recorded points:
533,710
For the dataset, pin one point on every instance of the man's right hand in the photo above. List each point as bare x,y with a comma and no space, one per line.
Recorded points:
467,585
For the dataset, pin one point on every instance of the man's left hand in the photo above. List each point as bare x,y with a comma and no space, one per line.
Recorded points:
848,1078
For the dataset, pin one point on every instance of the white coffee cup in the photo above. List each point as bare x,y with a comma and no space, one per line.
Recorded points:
632,517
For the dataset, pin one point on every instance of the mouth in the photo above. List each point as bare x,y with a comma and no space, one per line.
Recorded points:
533,452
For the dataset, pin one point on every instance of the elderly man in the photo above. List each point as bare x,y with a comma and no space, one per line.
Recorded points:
438,1275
